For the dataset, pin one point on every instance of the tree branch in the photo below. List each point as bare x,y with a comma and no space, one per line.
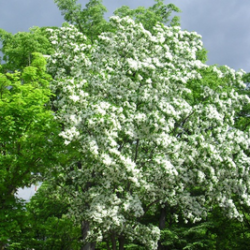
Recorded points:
136,150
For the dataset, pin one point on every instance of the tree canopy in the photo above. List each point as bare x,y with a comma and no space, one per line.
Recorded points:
18,49
139,143
89,20
152,125
26,135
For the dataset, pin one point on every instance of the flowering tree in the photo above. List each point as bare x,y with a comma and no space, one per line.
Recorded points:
146,124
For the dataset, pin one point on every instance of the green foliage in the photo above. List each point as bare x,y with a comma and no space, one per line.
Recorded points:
17,49
209,79
202,55
12,218
90,20
187,236
243,118
227,233
27,129
217,231
47,226
159,12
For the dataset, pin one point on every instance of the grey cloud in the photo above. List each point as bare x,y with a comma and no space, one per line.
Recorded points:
224,27
223,24
20,15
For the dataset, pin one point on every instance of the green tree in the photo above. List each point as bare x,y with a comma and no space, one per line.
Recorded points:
149,17
217,231
90,20
27,136
46,225
17,49
243,117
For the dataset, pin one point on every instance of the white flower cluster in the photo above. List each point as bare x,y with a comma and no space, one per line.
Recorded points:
149,125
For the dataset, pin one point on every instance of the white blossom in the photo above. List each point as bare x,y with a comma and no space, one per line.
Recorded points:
149,127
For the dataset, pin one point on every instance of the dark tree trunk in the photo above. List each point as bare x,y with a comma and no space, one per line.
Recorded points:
85,230
162,224
121,240
1,245
107,243
113,241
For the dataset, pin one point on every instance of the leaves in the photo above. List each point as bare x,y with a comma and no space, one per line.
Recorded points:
18,48
90,20
26,129
47,225
149,17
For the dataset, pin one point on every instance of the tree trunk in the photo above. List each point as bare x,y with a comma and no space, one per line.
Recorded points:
107,243
162,224
121,240
1,245
113,241
85,230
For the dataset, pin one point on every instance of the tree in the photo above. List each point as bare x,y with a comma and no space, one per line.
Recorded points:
90,21
27,135
47,226
242,119
151,127
17,49
217,231
149,17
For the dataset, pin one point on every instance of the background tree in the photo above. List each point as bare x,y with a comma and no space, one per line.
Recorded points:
47,226
27,136
243,118
90,20
149,17
17,49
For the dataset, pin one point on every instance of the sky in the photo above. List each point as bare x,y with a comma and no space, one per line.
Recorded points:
223,24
